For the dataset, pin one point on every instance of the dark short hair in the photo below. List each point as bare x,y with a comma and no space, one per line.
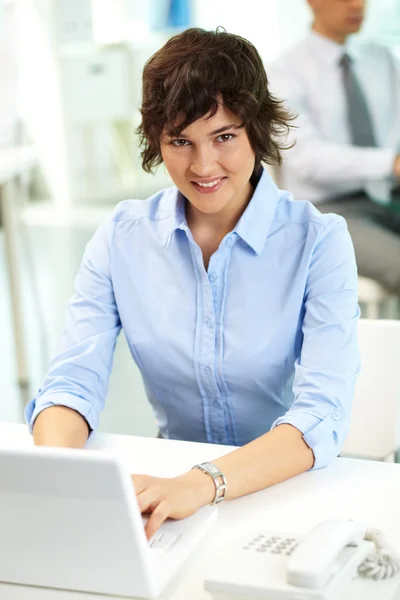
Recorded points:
189,75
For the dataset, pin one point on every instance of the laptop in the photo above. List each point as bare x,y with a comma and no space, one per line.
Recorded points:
69,520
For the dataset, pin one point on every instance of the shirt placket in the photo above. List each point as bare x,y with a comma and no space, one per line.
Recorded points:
212,291
205,356
224,257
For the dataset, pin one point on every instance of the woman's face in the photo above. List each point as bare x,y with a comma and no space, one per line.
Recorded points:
211,162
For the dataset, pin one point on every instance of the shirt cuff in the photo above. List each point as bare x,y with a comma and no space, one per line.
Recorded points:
319,434
379,163
83,407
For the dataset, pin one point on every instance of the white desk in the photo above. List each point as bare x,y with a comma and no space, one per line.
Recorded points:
15,162
369,491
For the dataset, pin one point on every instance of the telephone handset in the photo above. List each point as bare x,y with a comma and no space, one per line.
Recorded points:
318,566
318,556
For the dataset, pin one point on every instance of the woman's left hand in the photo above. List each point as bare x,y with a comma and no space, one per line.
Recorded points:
174,498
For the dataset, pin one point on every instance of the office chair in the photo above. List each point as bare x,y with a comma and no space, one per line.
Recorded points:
375,422
375,300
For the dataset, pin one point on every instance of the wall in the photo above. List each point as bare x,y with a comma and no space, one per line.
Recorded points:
259,22
8,76
39,93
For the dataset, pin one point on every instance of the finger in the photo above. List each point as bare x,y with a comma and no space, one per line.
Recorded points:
157,518
139,483
148,499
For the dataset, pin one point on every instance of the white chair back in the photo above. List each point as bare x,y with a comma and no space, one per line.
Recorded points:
375,300
375,423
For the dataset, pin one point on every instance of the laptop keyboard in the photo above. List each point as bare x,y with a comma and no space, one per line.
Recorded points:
172,531
163,540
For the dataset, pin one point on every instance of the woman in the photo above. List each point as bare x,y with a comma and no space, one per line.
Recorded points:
238,304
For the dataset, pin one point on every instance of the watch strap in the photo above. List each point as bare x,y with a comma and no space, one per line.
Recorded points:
218,478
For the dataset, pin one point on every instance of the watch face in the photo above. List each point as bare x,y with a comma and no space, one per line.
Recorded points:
213,469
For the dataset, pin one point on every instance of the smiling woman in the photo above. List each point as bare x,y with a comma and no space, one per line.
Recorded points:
213,170
189,78
212,121
239,305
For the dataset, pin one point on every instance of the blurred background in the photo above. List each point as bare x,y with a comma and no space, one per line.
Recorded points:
70,86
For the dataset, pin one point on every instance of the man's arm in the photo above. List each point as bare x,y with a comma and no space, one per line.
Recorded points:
60,426
319,159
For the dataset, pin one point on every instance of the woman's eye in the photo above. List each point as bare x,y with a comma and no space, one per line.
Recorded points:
179,142
225,137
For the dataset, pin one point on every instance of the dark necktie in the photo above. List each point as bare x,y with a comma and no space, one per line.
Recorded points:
361,128
359,117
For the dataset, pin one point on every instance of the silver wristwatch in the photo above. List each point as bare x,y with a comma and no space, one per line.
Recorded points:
218,478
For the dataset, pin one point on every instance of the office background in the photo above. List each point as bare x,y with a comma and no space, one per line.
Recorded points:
70,79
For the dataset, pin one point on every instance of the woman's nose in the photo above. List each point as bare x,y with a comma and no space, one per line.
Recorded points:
203,163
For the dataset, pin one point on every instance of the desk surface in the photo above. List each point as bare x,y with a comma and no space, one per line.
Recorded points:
365,490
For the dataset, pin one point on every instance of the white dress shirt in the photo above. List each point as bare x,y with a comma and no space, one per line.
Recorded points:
323,163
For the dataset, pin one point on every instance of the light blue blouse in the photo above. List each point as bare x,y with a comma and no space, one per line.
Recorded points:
267,335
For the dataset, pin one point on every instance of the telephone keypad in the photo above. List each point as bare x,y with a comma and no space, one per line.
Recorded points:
272,545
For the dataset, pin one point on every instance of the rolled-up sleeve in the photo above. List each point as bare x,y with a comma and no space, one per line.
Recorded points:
329,363
78,374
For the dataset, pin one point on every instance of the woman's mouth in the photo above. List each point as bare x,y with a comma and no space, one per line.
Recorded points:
210,186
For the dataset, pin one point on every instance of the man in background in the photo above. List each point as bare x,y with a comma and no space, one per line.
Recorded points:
346,158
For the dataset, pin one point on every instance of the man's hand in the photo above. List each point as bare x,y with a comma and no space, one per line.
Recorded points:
174,498
396,167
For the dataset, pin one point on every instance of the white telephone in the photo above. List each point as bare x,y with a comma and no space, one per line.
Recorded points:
319,566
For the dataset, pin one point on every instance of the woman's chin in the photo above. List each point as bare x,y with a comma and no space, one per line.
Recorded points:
208,208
